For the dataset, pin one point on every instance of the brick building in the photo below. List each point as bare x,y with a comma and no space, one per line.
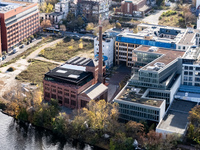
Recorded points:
135,8
19,20
74,83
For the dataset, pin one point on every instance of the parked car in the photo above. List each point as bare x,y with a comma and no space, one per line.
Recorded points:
76,37
22,46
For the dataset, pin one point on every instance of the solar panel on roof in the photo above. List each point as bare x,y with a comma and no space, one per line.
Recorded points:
78,60
73,59
83,62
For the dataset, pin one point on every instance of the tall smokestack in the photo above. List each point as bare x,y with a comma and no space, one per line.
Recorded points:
100,74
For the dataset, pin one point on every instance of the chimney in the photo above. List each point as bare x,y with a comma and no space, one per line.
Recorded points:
100,73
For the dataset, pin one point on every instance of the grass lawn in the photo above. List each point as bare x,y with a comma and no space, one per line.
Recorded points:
35,71
68,48
172,18
30,50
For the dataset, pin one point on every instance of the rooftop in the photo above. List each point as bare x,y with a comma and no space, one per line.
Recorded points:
167,56
65,74
82,61
175,120
7,5
95,90
155,33
134,94
188,38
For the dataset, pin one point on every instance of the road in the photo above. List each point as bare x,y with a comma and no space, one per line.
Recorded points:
11,56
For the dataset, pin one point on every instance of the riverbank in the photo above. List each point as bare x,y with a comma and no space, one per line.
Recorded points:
18,136
59,135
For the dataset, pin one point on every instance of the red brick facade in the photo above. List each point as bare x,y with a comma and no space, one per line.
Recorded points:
70,95
127,7
17,31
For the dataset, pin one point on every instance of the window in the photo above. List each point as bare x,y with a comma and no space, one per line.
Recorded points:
186,67
190,68
83,103
47,94
73,102
66,100
190,73
73,96
53,96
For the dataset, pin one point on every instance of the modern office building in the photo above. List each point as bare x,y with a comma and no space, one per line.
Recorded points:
133,105
19,20
74,83
155,82
153,35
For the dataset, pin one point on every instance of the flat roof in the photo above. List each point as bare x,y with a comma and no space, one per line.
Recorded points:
7,5
69,75
187,39
175,119
167,55
134,94
95,90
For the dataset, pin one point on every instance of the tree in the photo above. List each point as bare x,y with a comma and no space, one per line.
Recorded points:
97,115
49,8
194,127
133,129
80,21
90,26
46,24
118,25
62,27
43,7
70,17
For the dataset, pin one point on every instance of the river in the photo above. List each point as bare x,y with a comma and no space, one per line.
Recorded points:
16,136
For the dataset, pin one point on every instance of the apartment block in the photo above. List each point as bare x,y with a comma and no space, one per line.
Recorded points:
74,83
93,9
19,20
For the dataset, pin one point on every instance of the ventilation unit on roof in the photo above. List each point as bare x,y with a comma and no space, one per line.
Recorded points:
159,64
153,49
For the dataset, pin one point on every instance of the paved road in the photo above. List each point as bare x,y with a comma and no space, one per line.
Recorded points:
11,56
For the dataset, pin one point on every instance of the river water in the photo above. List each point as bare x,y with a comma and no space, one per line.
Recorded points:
16,136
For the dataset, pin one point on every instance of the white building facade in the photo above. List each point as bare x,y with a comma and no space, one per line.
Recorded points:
108,50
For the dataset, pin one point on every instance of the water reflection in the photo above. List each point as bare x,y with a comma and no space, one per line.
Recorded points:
23,136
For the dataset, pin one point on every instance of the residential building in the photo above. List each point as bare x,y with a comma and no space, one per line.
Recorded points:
94,9
153,35
74,83
19,20
61,11
136,8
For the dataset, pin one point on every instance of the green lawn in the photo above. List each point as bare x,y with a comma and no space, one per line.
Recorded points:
35,71
66,49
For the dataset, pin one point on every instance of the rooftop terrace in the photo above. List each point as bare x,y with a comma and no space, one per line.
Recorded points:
167,56
134,94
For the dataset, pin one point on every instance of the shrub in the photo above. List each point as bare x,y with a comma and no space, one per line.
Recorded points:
11,69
